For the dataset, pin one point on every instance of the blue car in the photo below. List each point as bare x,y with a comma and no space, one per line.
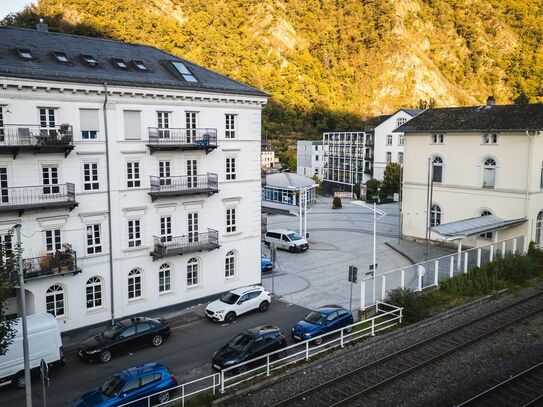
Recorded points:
320,321
132,384
265,263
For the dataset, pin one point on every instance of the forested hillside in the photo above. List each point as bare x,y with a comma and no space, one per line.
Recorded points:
331,64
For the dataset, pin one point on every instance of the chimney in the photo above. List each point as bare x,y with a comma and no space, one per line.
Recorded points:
41,26
490,101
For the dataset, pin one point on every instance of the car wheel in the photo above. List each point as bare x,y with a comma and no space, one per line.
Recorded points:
281,355
230,317
264,305
292,249
349,329
20,381
105,356
163,397
318,341
157,340
241,369
267,244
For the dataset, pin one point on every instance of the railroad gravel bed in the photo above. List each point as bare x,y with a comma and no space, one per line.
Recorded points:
451,380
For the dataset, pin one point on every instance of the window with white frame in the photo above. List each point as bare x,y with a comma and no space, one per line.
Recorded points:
230,264
400,121
47,120
134,233
192,226
230,168
164,172
230,126
166,228
437,169
88,119
435,215
489,173
7,246
134,284
538,224
52,240
94,239
192,272
90,176
2,123
400,139
400,158
132,124
163,123
191,123
389,139
93,292
164,278
50,179
438,138
490,138
54,301
230,220
486,235
389,157
133,174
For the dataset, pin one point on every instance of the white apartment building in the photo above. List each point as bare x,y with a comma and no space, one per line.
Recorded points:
310,158
347,160
135,176
389,143
486,167
267,157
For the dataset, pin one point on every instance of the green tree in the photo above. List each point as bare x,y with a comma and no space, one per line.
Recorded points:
8,268
372,186
392,178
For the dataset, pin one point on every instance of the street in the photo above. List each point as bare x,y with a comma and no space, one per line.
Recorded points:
187,353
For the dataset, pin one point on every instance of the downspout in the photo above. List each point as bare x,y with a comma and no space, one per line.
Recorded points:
110,231
528,183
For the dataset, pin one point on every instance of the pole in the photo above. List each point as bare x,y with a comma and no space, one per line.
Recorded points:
28,384
400,218
427,207
305,213
300,209
43,367
351,299
374,254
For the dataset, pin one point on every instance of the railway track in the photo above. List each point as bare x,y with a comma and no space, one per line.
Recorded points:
358,383
523,389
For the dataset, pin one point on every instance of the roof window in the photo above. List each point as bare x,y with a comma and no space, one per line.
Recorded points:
140,65
119,63
61,57
89,60
184,71
25,53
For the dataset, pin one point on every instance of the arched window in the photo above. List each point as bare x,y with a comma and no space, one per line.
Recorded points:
164,278
486,235
94,292
134,284
538,224
437,169
435,215
230,264
54,300
489,173
192,272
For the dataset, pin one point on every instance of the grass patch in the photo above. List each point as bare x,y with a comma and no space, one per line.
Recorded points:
202,399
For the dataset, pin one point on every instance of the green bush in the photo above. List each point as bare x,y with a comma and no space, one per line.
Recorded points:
336,203
413,306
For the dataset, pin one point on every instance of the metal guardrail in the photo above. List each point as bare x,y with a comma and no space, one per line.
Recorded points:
183,137
18,135
301,351
37,196
185,244
61,262
185,183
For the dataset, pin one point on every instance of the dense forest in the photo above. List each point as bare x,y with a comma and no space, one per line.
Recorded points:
333,64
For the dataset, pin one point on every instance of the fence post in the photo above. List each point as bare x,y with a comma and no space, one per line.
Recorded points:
183,395
402,279
214,377
451,269
373,326
503,248
466,262
307,350
149,401
268,364
222,381
515,245
436,270
401,315
491,252
383,284
362,295
419,280
479,257
341,338
525,244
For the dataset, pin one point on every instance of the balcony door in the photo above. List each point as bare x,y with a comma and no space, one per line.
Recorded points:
164,172
50,179
191,126
47,121
163,119
192,174
192,226
4,195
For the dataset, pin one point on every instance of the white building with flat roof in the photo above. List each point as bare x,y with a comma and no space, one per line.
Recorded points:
310,158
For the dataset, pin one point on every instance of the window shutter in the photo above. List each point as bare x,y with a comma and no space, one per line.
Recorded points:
132,125
89,119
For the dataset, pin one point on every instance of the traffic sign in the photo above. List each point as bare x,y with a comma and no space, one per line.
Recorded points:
353,274
373,266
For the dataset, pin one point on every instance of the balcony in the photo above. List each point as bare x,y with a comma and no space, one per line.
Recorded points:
60,263
182,139
179,245
15,138
161,187
38,197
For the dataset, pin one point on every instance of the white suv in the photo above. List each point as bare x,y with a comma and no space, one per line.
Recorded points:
237,302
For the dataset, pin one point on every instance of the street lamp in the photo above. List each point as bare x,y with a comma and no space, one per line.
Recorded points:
374,265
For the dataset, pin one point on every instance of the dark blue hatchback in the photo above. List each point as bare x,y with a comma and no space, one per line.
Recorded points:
132,384
320,321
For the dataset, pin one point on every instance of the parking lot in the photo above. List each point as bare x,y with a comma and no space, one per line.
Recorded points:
337,239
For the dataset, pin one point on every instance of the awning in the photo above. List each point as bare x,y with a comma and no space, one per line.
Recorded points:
461,229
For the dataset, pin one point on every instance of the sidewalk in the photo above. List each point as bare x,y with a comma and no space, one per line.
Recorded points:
415,252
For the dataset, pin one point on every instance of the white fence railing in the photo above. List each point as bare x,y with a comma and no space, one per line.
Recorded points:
387,316
430,273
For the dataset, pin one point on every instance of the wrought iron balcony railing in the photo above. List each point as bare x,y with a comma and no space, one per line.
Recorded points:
27,137
182,139
177,245
42,196
51,264
184,185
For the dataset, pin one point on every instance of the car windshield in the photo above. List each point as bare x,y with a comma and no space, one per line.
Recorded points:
239,342
315,317
112,387
294,236
229,298
113,331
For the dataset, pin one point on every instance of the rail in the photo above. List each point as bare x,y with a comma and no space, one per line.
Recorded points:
51,264
198,137
186,243
33,135
184,183
37,196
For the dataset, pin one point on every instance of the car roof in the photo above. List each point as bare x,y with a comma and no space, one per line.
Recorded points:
263,329
243,290
139,370
284,231
327,309
131,321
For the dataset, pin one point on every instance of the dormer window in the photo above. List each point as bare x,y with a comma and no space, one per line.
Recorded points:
490,138
89,60
119,63
437,138
25,53
182,69
140,65
61,57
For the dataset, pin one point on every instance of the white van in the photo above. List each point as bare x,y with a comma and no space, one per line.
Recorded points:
286,239
43,343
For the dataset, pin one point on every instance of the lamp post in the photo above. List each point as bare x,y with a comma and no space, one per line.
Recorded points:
374,265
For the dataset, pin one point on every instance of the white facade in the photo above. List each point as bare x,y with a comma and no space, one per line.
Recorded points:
310,158
267,157
140,282
389,145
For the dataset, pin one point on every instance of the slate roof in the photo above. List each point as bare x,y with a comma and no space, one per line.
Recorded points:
161,74
413,112
477,118
474,226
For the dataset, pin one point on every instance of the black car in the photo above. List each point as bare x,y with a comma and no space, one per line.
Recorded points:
248,345
124,336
